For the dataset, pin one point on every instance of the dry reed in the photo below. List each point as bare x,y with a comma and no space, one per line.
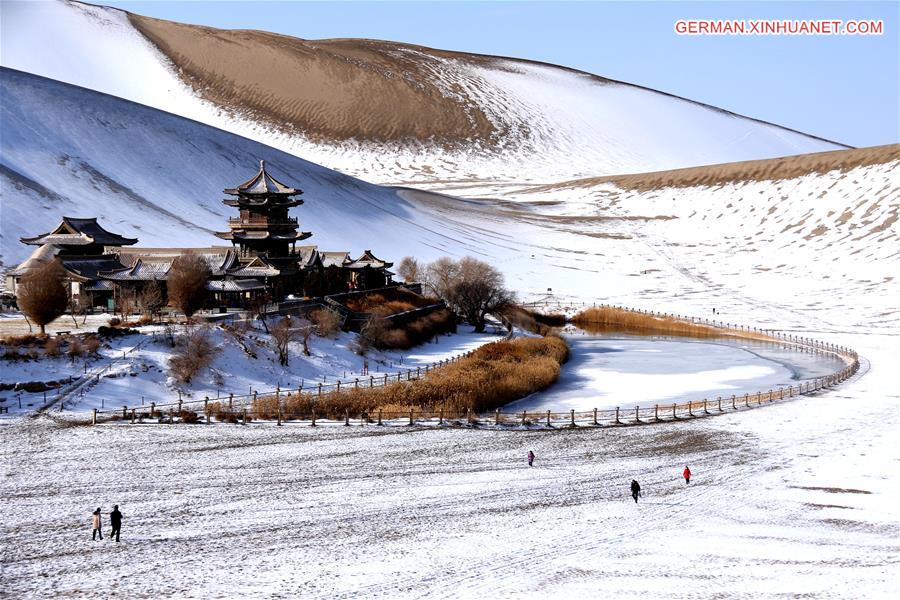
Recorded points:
491,377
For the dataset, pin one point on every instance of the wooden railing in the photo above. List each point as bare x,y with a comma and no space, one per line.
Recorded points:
240,408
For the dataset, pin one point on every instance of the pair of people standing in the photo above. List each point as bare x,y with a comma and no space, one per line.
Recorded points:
115,521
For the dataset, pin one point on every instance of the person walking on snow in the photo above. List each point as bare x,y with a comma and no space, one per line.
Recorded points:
115,521
530,458
687,475
95,523
635,490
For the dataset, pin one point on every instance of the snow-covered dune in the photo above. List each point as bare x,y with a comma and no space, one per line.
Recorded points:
159,177
385,111
821,241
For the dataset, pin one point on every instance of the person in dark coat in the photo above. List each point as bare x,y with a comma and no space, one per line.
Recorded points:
115,520
687,475
635,490
530,458
95,524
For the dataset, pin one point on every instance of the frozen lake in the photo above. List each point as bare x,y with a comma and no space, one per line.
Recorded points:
609,371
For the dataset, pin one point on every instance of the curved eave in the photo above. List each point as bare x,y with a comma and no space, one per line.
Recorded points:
264,200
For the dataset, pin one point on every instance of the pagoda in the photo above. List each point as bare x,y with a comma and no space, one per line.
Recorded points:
264,230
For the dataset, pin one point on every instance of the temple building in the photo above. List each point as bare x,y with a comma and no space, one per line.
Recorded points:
263,259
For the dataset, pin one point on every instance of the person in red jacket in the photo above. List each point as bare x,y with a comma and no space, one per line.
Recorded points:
530,458
687,475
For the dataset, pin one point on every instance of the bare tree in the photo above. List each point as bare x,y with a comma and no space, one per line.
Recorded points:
187,283
288,330
410,270
442,275
472,288
327,321
257,307
42,294
75,306
151,299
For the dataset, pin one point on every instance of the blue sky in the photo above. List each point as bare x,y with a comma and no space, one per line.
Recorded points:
844,88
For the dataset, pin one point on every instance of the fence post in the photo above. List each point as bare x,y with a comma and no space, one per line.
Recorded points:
371,381
524,417
441,416
595,417
206,409
497,417
770,395
747,400
313,424
758,399
94,417
132,416
346,417
637,414
618,422
733,406
385,379
690,408
243,416
338,388
705,406
655,412
572,417
379,417
230,400
320,390
278,400
152,409
124,412
548,418
179,407
674,407
720,403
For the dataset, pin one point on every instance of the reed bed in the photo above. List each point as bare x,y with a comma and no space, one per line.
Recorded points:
609,319
491,377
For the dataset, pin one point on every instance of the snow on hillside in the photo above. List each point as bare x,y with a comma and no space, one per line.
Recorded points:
445,119
158,177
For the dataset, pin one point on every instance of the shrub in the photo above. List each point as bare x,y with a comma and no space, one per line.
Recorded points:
75,349
189,416
51,347
92,345
42,294
114,322
187,283
196,353
327,322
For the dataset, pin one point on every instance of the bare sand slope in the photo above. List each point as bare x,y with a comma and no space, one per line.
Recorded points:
771,169
330,90
356,89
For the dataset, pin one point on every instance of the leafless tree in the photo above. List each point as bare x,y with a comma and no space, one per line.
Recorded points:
442,275
410,270
288,330
187,283
151,299
42,294
197,352
479,291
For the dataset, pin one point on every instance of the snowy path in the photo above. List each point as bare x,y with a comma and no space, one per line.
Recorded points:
789,500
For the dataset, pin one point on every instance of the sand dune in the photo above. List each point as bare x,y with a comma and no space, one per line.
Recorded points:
749,170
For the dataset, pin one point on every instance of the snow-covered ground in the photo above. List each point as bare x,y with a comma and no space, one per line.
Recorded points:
134,371
796,499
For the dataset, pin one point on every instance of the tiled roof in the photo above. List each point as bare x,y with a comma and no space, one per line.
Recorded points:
263,183
80,232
